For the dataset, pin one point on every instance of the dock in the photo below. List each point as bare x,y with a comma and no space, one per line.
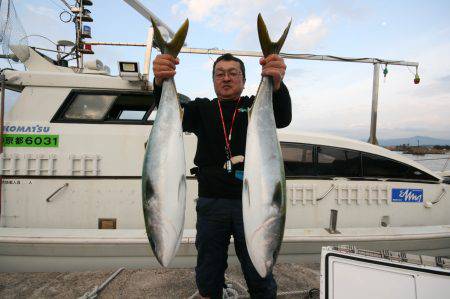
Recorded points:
294,281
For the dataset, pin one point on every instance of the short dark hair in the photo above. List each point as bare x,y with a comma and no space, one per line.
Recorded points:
230,57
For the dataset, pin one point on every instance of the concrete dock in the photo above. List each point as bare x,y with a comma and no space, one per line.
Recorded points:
294,281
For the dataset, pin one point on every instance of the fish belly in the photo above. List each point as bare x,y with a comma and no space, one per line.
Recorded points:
163,179
263,197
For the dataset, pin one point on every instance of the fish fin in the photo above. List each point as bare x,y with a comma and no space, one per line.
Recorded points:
173,47
181,113
149,191
250,109
278,195
246,190
267,46
152,244
249,112
182,188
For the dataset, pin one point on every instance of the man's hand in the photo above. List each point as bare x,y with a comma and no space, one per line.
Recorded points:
164,67
273,66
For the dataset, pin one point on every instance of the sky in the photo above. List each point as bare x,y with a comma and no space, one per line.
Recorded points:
327,97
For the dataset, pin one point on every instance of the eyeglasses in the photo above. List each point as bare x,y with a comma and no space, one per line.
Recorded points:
232,73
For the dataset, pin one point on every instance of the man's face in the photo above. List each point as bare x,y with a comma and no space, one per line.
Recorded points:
228,79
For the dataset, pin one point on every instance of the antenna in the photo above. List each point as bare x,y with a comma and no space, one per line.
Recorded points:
82,14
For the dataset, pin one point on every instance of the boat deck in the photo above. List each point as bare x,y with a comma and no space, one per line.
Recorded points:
45,250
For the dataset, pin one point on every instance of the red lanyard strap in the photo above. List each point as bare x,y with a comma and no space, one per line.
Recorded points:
228,136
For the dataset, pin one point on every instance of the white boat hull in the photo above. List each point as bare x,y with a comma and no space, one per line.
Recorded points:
53,198
48,250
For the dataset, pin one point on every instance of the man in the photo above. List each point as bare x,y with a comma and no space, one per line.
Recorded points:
221,129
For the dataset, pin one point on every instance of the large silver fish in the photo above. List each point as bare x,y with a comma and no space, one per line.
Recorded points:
164,170
264,187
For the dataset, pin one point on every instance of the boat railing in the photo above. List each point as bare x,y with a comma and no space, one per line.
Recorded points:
444,167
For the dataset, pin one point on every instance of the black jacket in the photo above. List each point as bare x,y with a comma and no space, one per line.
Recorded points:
202,117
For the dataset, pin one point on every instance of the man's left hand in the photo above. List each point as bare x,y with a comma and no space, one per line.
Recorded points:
273,66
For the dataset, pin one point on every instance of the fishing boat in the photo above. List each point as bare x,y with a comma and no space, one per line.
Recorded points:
71,163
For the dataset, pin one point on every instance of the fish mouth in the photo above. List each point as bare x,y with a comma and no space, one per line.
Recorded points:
164,241
158,251
266,259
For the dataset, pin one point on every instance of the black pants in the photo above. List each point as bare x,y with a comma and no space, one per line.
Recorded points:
217,220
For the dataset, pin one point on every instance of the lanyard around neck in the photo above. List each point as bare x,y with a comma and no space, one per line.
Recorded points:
228,136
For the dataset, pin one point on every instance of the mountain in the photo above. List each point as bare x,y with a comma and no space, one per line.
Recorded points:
423,140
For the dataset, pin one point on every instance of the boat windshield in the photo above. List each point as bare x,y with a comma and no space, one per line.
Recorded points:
319,161
106,107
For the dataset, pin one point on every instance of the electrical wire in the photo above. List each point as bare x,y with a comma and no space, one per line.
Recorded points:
64,11
61,16
58,5
38,35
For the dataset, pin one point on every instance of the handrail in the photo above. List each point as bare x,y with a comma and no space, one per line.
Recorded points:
54,193
326,193
429,204
445,165
430,159
439,197
434,159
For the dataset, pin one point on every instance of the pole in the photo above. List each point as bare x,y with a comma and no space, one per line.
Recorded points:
2,114
148,54
80,31
146,13
66,4
373,119
259,54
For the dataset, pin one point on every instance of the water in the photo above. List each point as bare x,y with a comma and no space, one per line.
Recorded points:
433,162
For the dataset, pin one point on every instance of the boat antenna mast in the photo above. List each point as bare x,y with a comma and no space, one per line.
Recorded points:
80,15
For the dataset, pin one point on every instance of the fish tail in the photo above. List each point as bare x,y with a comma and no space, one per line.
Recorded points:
267,46
173,47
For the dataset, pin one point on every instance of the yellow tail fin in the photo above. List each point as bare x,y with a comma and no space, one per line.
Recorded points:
174,47
267,46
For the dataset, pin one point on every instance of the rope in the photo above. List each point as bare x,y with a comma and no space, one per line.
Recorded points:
193,295
237,283
97,289
230,293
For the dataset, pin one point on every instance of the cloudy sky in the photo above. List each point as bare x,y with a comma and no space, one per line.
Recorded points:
332,97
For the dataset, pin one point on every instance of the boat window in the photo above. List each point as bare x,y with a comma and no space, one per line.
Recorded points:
152,115
87,106
132,115
298,159
106,107
381,167
130,107
338,162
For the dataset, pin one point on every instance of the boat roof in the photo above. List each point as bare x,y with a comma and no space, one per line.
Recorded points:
352,144
20,79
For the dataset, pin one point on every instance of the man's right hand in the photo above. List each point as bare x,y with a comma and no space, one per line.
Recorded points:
164,67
